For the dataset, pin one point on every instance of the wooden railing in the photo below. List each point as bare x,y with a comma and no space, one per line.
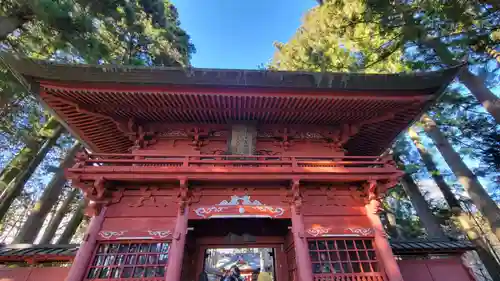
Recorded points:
232,161
350,277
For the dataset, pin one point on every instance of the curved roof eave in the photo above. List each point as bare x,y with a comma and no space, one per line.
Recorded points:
233,78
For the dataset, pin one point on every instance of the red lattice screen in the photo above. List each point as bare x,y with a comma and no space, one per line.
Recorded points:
129,260
344,260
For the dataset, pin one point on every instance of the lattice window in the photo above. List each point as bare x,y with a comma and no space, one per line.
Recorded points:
145,260
343,256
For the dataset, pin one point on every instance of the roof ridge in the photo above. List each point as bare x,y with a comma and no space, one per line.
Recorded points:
10,57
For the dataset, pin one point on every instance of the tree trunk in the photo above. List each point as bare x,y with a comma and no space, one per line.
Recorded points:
484,251
449,197
475,84
487,257
23,159
427,218
15,188
73,224
392,224
33,224
469,181
485,96
54,223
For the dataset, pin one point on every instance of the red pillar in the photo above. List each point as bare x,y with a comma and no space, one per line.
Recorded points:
84,254
382,245
176,252
302,258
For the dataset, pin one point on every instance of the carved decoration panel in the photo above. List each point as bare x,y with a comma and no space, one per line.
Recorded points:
137,228
146,201
240,207
239,202
331,226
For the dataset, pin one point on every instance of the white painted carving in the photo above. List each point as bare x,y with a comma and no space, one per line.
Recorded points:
201,212
160,233
174,133
278,211
317,231
361,231
109,234
240,202
235,200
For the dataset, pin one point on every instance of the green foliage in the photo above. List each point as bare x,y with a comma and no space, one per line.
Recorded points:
138,32
84,31
98,31
400,205
471,130
380,36
470,28
336,36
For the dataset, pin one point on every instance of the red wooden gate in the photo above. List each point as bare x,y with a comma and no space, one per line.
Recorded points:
448,269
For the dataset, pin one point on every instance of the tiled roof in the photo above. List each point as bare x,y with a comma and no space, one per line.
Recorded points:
21,252
95,102
430,246
49,70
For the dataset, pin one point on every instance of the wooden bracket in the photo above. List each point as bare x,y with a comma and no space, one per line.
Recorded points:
184,196
140,137
372,190
373,198
94,193
390,183
388,160
337,138
295,189
296,197
199,136
80,158
285,138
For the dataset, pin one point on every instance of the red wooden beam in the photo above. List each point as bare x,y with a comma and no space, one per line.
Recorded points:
250,91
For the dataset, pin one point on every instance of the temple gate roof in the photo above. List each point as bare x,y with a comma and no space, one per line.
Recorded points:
94,101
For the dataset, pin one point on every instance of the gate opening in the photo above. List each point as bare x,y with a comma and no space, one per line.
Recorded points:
253,263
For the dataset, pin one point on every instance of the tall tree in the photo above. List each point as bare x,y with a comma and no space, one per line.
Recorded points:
50,131
465,176
429,221
80,23
42,207
73,223
15,187
56,220
81,31
445,189
469,28
462,218
475,84
343,35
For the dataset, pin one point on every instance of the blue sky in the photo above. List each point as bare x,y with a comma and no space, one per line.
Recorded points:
239,33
